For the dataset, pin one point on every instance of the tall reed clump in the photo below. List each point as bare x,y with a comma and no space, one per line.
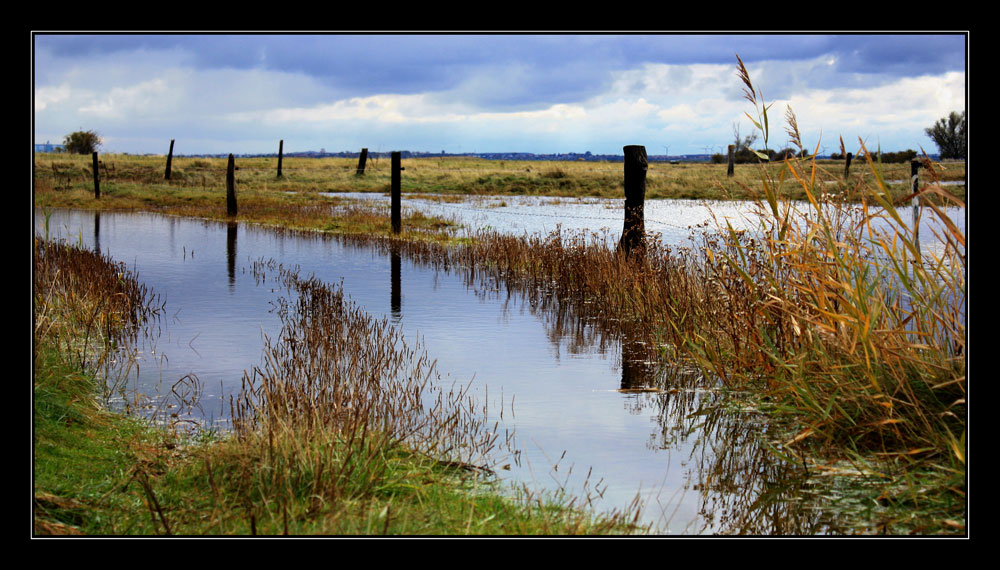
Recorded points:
862,330
343,410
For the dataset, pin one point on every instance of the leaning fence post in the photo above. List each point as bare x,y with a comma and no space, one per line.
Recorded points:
732,160
97,179
170,158
281,148
634,230
361,161
231,186
847,165
397,223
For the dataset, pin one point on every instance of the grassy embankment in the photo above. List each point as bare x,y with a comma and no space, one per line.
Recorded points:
340,438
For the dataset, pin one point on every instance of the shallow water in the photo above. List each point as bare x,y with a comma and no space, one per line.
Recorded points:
675,221
555,386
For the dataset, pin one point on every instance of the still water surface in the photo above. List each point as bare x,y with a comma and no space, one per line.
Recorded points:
695,467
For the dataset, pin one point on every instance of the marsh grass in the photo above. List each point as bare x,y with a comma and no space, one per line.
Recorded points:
89,309
859,331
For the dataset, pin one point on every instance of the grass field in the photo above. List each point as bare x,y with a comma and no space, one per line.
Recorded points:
120,174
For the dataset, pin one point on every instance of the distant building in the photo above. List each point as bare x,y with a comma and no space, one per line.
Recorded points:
49,147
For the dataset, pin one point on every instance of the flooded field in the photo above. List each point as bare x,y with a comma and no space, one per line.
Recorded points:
567,395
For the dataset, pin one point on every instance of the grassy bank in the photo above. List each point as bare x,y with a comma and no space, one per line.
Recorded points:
312,453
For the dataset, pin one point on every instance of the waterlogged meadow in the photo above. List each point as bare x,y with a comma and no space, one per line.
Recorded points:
805,358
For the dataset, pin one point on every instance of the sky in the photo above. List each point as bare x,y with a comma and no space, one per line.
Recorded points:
675,94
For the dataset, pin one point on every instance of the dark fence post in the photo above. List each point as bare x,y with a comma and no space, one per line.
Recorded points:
362,160
281,149
231,186
634,228
915,202
170,158
732,161
97,179
847,165
397,223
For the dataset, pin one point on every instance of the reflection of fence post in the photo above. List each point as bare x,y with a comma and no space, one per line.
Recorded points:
915,202
231,186
732,161
170,158
281,149
231,228
395,300
847,165
361,161
634,229
397,222
97,179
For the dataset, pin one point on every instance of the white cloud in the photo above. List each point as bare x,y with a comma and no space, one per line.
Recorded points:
45,96
900,109
688,107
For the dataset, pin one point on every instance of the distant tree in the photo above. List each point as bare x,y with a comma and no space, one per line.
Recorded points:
784,154
949,135
743,143
82,142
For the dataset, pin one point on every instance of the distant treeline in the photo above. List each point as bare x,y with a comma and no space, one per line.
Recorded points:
746,156
885,157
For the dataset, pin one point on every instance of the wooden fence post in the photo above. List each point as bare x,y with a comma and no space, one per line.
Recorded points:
847,165
361,161
397,223
281,148
170,158
732,161
97,179
634,228
231,186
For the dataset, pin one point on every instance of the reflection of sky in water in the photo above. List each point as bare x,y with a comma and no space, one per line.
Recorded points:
564,395
556,395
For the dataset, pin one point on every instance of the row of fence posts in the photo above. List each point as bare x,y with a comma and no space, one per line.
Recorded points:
636,165
914,187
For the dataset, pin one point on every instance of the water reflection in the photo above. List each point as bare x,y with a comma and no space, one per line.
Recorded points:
97,231
231,229
585,385
395,302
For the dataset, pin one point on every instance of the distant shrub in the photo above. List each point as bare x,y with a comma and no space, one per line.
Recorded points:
82,142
